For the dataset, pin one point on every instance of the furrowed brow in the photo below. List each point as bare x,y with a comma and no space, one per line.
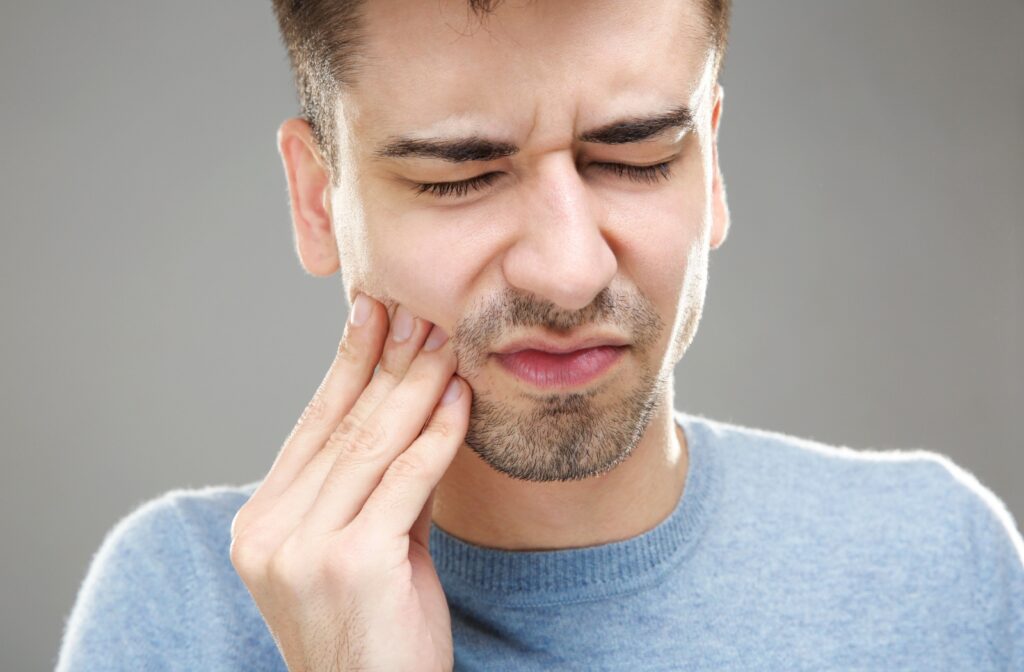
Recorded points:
638,129
479,148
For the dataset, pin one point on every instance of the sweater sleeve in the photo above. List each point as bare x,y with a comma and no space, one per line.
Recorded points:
134,610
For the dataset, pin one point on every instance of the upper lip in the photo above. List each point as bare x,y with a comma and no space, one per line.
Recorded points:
559,347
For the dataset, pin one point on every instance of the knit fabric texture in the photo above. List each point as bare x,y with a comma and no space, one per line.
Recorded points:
783,553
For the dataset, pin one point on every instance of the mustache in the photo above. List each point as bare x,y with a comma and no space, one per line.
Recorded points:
630,314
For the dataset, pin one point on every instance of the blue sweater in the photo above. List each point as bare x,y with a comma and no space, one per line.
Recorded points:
782,554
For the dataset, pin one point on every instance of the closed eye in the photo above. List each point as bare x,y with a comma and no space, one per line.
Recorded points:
644,174
456,189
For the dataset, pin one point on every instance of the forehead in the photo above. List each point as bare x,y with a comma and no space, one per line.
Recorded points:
532,68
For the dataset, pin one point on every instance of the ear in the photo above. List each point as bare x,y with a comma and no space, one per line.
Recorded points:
720,210
309,190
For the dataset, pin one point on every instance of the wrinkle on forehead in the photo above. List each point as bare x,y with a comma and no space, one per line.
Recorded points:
569,64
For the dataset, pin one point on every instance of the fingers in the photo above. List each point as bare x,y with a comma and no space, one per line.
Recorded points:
353,365
367,447
405,338
292,505
398,504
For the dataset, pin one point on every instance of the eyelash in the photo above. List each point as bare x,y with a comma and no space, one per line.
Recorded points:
647,174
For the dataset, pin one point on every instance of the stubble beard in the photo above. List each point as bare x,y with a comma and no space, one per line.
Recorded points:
566,436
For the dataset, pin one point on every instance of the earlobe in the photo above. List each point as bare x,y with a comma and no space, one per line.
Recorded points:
720,206
309,192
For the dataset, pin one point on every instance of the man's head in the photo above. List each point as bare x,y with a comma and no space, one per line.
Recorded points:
551,171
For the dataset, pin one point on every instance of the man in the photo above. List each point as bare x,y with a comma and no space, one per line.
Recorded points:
492,475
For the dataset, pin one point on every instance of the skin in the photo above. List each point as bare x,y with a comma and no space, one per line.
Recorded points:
556,245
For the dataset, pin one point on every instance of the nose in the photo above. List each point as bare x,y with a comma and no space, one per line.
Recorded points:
561,252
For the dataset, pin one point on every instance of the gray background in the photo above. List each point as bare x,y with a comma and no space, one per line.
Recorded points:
159,331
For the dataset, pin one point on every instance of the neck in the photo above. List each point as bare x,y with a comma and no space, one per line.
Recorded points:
477,504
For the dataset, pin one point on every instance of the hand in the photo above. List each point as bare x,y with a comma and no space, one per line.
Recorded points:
333,544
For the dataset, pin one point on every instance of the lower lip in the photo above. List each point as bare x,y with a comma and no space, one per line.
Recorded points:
548,370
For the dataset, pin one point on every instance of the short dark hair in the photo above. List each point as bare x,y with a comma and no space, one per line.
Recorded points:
324,39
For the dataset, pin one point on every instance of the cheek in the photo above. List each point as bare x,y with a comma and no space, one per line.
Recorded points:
425,259
660,234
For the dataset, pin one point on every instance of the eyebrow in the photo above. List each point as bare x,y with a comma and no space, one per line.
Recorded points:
479,148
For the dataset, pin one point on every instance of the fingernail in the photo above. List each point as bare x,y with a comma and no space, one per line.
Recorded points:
451,393
436,339
401,329
361,310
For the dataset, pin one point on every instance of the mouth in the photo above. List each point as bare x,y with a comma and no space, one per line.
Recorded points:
561,369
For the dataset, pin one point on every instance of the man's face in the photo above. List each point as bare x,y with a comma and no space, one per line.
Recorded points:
558,243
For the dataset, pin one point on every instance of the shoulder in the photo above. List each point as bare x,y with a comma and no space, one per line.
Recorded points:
185,532
881,523
917,503
187,527
199,508
785,466
908,536
161,585
199,511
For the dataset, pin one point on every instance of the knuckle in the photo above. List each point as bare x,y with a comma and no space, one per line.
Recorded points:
440,429
347,353
247,557
389,370
282,564
365,440
408,466
348,426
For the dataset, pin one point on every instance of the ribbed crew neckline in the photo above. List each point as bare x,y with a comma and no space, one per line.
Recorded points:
535,578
